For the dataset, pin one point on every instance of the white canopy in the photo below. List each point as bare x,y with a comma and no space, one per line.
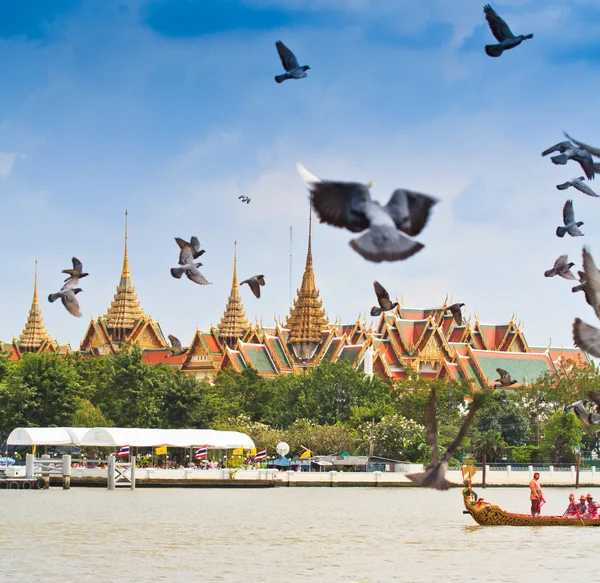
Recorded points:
134,437
46,435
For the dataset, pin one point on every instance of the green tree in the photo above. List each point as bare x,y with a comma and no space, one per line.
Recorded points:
397,437
562,433
501,412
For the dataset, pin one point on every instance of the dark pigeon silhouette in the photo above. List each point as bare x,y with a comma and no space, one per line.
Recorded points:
175,348
191,271
571,225
579,408
434,475
290,64
591,149
505,379
255,282
570,152
454,309
506,39
383,298
67,295
189,251
77,271
561,268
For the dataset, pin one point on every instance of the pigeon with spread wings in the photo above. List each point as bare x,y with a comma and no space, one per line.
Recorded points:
77,271
389,229
67,295
189,251
502,33
455,310
254,283
505,379
561,268
567,151
290,63
579,184
175,348
585,336
571,225
434,475
383,299
579,408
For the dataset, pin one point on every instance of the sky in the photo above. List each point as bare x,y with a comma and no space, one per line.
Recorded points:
168,109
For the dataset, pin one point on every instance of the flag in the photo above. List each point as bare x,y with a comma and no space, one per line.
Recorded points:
261,455
253,450
305,455
238,451
33,450
201,452
124,451
162,450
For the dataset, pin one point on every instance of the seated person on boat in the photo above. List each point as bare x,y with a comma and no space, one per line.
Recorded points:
582,507
592,507
572,508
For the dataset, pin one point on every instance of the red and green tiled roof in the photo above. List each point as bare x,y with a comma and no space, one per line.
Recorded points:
258,357
349,354
275,345
524,367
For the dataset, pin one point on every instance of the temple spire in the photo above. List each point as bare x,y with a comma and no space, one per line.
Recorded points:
34,335
125,309
307,318
234,323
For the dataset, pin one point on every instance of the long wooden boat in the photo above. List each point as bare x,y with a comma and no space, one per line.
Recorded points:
490,514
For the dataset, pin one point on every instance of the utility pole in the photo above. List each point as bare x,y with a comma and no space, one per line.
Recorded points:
372,438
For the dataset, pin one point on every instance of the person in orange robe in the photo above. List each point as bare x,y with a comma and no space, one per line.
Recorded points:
536,496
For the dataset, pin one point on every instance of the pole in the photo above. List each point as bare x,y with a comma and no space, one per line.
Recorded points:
577,469
484,460
290,287
66,471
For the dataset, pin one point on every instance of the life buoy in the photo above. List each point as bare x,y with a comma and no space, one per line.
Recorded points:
14,485
27,485
41,484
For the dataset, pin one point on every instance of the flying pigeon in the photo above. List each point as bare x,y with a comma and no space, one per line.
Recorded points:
434,474
562,268
255,283
569,152
67,295
591,149
244,199
506,39
77,271
175,347
349,205
505,379
189,251
290,64
584,416
579,184
454,309
581,285
383,298
191,271
585,336
571,226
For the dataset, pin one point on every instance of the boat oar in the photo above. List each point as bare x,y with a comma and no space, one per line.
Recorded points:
583,523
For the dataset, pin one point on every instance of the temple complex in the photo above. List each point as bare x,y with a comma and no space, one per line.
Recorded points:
427,341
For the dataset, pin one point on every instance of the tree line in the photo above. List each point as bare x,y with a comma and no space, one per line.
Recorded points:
329,409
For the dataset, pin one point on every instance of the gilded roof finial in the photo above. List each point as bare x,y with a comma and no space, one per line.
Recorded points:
35,294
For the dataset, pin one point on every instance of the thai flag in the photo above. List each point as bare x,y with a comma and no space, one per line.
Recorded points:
124,451
201,452
260,455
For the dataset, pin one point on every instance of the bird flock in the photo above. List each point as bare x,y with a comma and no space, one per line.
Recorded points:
387,233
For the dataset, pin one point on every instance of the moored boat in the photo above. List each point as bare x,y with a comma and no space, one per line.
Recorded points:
489,514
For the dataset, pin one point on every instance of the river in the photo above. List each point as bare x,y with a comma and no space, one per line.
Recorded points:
282,535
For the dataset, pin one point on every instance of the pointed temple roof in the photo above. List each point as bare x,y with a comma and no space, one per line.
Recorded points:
307,318
34,335
234,323
125,309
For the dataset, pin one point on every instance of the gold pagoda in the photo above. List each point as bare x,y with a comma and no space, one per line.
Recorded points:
35,337
125,322
233,324
307,319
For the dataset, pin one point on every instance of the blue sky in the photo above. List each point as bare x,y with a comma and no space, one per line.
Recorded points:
169,109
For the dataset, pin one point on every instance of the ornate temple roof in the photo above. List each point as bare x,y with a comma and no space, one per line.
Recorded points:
125,309
307,318
34,335
234,323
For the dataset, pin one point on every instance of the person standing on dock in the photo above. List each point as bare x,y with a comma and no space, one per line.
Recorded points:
536,496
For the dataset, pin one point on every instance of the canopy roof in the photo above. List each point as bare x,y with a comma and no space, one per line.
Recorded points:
135,437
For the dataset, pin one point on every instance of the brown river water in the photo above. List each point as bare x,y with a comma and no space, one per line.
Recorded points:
345,535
